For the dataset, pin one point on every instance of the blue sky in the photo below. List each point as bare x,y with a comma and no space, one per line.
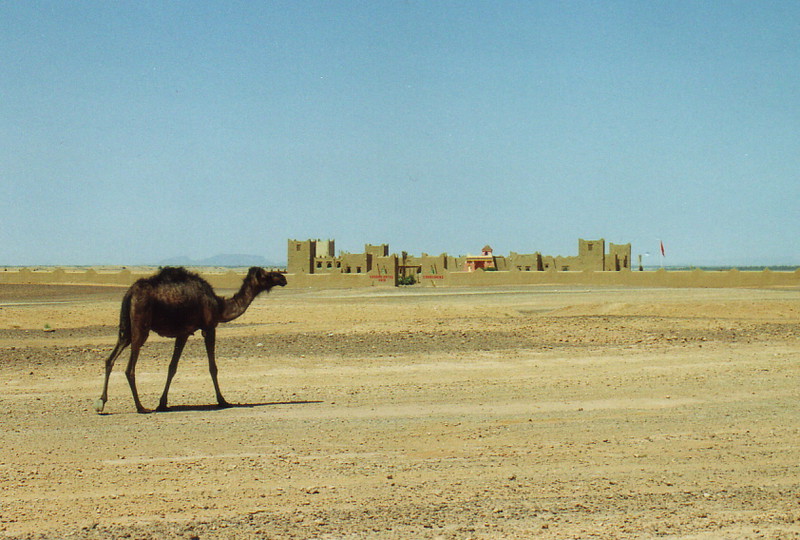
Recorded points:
132,132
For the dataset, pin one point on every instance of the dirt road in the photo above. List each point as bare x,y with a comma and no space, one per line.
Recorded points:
528,412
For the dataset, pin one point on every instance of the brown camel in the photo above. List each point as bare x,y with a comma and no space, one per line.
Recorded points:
176,303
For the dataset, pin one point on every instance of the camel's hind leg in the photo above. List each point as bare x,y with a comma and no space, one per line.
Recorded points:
180,342
100,404
130,372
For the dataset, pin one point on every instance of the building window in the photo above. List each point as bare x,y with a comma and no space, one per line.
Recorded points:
358,269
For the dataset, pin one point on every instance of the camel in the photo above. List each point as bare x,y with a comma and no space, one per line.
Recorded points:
176,303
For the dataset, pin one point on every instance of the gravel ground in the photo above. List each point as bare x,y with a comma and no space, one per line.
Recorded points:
411,413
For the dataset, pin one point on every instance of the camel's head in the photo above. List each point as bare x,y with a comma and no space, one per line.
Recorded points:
264,280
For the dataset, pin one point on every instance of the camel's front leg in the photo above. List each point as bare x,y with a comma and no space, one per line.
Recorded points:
210,337
180,342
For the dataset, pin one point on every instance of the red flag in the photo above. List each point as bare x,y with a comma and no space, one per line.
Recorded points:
662,248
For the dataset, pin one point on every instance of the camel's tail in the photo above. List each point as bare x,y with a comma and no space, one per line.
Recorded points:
125,320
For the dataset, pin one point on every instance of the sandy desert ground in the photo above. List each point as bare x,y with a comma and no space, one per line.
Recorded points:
529,412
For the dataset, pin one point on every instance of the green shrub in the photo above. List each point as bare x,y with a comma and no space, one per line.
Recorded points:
407,280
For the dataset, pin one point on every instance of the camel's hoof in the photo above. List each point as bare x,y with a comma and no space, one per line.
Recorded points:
162,408
99,404
224,405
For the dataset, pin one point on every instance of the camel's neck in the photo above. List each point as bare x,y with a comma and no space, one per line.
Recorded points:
236,305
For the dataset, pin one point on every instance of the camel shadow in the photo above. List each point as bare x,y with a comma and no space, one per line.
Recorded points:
214,407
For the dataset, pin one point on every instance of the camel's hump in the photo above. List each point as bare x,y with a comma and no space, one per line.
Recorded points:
174,274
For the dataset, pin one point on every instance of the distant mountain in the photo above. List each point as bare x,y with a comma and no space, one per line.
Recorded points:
225,259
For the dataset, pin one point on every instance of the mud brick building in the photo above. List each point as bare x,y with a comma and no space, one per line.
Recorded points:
376,266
